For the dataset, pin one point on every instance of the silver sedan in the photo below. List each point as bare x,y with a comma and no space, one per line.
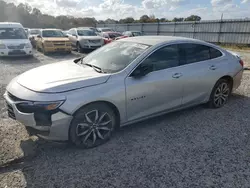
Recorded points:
121,83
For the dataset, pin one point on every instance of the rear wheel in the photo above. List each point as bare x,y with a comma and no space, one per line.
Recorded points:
92,125
220,94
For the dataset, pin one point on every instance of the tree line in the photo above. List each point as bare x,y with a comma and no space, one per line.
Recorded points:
34,18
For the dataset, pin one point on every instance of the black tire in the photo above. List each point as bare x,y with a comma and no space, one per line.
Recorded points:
79,48
82,129
217,96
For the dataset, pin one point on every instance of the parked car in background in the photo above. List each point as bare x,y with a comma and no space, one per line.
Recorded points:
13,40
65,32
106,29
132,33
110,36
121,83
26,31
32,33
53,40
84,38
94,29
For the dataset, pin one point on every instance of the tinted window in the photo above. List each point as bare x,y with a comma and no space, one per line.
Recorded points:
191,53
114,35
137,34
164,58
214,53
12,33
52,33
86,33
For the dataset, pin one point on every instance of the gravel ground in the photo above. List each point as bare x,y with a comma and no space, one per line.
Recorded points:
197,147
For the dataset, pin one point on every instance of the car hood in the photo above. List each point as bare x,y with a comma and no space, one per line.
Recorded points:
13,41
90,37
61,77
62,39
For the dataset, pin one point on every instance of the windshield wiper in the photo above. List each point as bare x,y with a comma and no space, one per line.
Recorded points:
96,68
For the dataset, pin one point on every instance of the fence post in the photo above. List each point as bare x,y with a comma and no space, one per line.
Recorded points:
194,25
142,28
221,21
128,27
158,26
174,27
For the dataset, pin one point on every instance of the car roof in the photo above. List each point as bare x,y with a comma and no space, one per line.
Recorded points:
10,24
108,32
52,29
133,31
154,40
83,28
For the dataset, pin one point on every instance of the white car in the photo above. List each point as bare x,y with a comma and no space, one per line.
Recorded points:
84,38
13,40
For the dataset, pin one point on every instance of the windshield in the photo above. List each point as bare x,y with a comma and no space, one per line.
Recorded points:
106,30
86,33
34,32
52,33
114,35
137,34
115,56
12,33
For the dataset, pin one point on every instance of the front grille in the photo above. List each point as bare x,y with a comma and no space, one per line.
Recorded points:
59,44
10,111
17,52
14,98
95,41
16,47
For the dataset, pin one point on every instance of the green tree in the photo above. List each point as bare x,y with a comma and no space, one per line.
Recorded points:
193,18
144,18
178,19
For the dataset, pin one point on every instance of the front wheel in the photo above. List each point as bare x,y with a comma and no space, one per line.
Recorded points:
79,48
92,125
220,94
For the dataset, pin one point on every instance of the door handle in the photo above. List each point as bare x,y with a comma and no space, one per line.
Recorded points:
213,67
177,75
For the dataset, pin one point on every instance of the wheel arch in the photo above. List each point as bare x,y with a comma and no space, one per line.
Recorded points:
110,104
229,78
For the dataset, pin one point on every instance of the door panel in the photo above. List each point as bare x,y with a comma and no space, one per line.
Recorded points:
159,90
200,72
155,92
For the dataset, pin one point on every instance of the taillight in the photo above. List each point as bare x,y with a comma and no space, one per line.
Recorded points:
242,63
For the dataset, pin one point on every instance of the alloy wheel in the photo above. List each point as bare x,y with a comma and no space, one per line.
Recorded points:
97,126
221,94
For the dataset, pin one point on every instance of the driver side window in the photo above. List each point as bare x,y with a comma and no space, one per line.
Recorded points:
164,58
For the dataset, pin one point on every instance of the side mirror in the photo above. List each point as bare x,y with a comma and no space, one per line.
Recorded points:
74,35
38,36
142,70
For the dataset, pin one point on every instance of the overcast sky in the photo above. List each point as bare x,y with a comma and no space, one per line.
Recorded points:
116,9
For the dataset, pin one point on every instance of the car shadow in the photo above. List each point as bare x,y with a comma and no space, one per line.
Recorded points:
19,60
62,164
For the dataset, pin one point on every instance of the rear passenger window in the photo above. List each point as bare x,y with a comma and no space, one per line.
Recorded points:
192,53
214,53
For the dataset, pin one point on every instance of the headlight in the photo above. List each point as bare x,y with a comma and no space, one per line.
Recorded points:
30,107
2,46
28,45
49,44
